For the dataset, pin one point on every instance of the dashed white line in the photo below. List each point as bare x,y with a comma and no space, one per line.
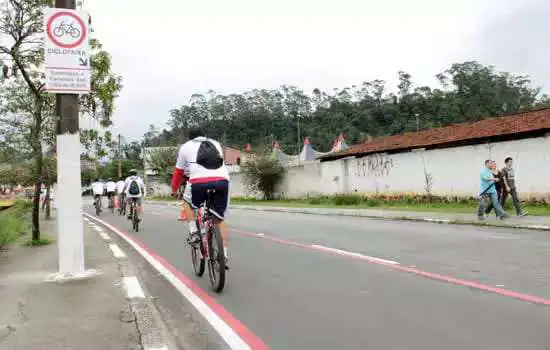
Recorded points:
260,234
133,288
117,252
97,228
104,236
229,335
354,255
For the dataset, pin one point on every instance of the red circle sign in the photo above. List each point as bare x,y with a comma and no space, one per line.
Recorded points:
75,34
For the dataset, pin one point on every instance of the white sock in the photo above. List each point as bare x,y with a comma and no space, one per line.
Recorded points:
193,227
225,252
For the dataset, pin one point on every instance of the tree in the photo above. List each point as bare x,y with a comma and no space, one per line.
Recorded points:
468,91
263,173
163,161
26,108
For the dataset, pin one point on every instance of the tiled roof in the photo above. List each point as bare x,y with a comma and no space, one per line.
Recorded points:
491,127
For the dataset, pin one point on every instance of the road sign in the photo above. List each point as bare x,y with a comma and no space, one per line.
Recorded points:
66,51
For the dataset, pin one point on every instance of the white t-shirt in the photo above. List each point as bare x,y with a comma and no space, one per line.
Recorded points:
111,186
119,186
187,161
140,183
97,188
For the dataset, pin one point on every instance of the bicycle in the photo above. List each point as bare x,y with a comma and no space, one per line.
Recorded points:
210,247
122,205
134,214
64,28
112,204
97,205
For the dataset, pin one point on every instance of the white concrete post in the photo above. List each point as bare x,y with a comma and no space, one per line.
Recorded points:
70,233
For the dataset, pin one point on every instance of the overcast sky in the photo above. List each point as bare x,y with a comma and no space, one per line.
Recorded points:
165,54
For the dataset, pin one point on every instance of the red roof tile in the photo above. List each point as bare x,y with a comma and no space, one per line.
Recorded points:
491,127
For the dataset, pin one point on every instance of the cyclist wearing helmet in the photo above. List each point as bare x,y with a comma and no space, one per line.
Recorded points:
134,189
97,190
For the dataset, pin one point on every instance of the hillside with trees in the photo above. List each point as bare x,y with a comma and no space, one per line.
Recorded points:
467,91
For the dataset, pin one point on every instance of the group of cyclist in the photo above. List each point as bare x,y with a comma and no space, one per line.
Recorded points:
200,162
125,188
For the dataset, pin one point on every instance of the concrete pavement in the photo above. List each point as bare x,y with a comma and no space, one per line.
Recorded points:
325,282
107,310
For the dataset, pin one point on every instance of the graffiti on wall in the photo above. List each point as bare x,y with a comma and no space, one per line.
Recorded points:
374,166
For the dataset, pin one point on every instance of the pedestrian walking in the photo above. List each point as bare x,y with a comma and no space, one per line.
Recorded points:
499,186
489,192
510,188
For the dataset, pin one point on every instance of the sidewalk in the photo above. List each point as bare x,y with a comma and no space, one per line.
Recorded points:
89,314
528,222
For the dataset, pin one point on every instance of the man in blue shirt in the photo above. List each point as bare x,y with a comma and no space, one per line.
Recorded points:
487,190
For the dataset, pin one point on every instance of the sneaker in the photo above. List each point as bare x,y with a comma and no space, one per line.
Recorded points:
504,217
194,238
523,213
481,217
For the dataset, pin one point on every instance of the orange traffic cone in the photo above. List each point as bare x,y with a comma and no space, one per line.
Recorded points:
182,217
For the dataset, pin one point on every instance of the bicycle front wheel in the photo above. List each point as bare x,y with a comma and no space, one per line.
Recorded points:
216,261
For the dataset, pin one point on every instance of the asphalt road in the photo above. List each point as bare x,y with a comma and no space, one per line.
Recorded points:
409,285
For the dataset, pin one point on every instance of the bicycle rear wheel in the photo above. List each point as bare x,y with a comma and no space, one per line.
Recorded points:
216,260
135,220
97,210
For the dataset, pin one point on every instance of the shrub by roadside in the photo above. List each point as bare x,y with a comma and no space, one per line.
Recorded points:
13,223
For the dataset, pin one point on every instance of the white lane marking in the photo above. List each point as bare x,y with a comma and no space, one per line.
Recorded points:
133,288
224,330
97,228
117,252
104,236
355,255
260,234
163,348
436,220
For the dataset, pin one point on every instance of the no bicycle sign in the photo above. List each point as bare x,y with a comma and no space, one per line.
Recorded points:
66,51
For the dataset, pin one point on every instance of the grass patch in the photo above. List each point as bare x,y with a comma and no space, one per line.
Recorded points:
401,203
13,223
162,198
44,240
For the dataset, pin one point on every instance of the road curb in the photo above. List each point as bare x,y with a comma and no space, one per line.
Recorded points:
398,218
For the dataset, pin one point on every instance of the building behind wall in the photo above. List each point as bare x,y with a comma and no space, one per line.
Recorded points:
440,161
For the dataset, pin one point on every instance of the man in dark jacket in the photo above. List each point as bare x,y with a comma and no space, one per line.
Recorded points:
509,176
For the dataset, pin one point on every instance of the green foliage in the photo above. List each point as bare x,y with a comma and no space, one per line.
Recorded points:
264,174
468,91
13,223
163,161
405,202
44,240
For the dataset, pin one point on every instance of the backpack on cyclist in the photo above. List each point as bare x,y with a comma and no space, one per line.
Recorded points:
208,156
133,188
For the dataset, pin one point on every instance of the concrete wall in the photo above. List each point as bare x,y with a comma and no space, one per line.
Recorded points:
450,171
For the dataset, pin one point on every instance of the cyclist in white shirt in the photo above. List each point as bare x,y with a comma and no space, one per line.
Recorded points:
120,192
111,188
97,190
134,189
201,159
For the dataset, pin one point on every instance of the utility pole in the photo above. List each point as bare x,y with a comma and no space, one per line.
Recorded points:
119,156
69,209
